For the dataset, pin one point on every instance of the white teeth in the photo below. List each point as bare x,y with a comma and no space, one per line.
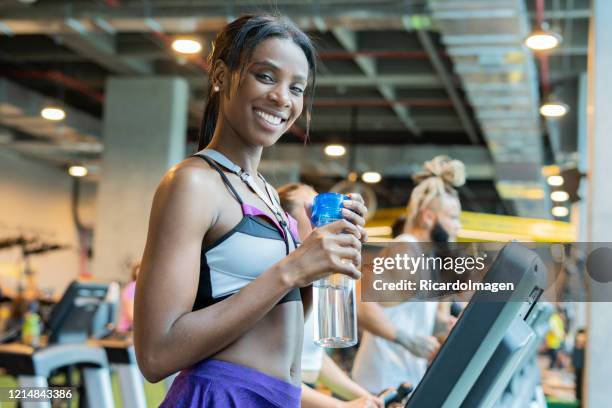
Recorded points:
271,119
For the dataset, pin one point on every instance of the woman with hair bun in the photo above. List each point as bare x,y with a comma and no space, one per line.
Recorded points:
219,296
399,338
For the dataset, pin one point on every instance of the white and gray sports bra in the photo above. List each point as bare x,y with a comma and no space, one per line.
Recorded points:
256,243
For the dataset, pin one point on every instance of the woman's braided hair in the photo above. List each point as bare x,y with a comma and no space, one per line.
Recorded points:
439,176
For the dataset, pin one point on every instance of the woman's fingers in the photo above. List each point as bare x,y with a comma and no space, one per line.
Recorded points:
345,254
348,240
340,226
353,217
357,206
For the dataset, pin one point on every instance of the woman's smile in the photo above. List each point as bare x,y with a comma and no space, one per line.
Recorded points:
268,120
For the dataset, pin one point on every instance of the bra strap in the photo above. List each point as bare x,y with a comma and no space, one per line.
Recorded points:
266,197
226,181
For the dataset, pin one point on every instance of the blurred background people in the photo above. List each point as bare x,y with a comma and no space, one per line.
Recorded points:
399,338
317,365
126,311
555,338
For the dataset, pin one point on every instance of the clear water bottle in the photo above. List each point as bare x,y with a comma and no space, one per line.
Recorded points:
334,302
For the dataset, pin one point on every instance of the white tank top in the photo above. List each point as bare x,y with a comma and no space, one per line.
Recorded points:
379,363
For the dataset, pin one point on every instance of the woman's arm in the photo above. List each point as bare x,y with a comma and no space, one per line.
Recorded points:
168,335
371,317
336,380
314,399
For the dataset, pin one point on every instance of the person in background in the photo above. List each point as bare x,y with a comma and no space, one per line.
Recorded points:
126,313
317,366
555,337
397,228
578,361
399,337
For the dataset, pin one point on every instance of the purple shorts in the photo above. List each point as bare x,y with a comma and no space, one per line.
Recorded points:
219,384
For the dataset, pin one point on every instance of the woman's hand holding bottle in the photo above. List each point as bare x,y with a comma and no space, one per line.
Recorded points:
332,248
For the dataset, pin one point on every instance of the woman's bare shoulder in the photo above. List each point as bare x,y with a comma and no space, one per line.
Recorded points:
192,175
190,188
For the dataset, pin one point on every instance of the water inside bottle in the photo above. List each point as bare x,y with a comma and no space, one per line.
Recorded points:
334,308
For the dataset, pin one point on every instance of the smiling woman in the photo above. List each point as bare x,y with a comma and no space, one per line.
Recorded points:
277,61
220,248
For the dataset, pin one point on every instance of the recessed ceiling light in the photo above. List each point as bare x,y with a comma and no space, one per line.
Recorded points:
53,113
371,177
555,181
186,46
559,196
335,150
77,171
560,211
554,109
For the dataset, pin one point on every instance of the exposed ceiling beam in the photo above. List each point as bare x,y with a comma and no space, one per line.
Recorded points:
389,160
100,47
375,12
420,81
564,14
445,76
348,39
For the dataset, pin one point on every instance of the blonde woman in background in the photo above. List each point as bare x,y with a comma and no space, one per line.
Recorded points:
399,338
317,366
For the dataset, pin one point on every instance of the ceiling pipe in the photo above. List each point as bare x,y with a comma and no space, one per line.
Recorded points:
544,69
59,78
347,55
374,102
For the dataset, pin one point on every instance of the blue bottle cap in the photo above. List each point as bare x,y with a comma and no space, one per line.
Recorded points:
327,208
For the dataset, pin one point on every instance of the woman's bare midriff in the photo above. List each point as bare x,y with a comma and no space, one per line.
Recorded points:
273,346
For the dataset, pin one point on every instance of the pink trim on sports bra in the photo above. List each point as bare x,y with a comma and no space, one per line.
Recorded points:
256,212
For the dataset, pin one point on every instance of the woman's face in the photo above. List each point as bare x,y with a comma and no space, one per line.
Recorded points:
270,96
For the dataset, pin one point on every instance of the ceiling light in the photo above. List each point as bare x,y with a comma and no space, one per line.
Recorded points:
555,181
560,211
335,150
371,177
186,46
77,171
554,109
53,113
543,39
559,196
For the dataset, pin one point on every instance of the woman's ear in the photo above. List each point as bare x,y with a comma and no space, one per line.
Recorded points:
220,76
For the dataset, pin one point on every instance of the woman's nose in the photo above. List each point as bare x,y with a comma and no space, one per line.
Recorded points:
280,97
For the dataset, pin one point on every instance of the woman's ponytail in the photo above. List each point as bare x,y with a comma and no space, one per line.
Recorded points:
209,119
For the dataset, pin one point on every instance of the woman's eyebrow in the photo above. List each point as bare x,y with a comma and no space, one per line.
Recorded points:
273,66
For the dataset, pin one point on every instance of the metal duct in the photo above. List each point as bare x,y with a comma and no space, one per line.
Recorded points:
485,40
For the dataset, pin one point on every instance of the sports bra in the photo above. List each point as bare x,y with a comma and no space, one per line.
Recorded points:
256,243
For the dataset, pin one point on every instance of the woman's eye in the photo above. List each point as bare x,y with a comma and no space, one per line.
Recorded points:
265,77
297,90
